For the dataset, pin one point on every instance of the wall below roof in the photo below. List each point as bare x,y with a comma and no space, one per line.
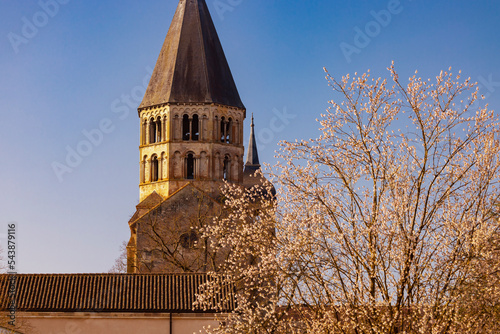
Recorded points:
118,323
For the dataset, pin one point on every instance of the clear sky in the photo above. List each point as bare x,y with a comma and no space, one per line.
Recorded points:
66,69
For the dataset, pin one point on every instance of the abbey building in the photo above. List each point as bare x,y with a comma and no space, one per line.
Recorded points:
191,143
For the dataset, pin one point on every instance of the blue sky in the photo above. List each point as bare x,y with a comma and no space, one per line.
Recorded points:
59,81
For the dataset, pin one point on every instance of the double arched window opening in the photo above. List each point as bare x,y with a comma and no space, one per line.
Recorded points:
152,131
226,130
155,130
190,128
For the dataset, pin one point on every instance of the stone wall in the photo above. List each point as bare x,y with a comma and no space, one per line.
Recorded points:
118,323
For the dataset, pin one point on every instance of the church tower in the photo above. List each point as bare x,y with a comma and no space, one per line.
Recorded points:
191,141
191,115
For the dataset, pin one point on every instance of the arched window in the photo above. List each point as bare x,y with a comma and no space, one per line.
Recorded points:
154,169
223,130
158,130
190,128
188,240
195,128
186,134
229,126
190,166
152,131
226,168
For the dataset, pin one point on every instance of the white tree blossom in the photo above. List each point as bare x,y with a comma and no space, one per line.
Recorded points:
385,223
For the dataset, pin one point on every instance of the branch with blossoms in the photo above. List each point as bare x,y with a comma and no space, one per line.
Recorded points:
382,224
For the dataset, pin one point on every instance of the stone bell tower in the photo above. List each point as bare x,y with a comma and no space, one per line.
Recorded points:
191,141
191,115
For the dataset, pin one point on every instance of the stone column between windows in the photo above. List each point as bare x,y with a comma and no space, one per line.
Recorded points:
158,131
147,170
202,128
143,172
179,131
164,128
148,138
196,167
191,134
215,127
160,168
142,133
236,132
223,128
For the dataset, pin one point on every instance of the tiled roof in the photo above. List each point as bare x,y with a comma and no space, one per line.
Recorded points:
106,292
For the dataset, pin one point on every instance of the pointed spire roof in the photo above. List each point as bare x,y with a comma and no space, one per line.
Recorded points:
192,67
252,163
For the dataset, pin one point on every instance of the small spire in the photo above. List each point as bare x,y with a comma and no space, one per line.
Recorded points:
252,163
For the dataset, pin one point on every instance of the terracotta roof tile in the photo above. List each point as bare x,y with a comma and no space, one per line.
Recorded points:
106,292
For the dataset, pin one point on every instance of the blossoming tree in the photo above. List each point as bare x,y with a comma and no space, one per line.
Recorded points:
385,223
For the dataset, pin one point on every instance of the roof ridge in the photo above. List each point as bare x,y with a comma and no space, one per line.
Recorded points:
103,274
202,46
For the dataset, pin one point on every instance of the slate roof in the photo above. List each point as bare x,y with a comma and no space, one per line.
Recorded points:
192,67
154,200
125,293
146,205
252,164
